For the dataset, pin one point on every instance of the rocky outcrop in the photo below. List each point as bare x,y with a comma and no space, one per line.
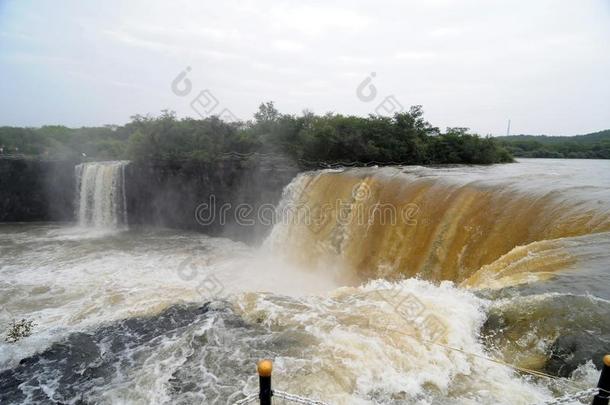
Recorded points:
224,198
232,197
36,190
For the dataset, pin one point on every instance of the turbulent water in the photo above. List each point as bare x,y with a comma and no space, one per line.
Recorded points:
364,284
100,198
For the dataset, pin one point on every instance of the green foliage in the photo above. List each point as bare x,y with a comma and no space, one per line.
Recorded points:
591,146
58,142
311,139
457,145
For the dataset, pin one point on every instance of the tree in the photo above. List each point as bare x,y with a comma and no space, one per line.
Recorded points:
313,140
266,113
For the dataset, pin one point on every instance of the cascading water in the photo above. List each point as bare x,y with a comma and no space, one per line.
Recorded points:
100,196
395,223
546,234
504,261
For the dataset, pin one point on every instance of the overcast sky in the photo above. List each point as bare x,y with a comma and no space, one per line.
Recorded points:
545,64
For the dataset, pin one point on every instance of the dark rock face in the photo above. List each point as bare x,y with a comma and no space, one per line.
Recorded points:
235,196
569,352
84,361
36,190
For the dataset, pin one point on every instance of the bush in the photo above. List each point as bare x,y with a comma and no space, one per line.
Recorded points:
405,138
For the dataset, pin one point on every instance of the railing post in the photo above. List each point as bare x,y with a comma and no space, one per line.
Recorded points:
604,384
265,367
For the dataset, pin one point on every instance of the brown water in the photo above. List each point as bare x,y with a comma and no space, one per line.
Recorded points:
470,225
366,278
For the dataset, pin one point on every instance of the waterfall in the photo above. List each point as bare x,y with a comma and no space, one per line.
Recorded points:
100,194
390,223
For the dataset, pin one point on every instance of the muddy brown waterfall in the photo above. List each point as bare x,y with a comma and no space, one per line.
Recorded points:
507,262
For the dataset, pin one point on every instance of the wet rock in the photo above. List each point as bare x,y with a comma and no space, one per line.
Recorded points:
36,190
240,193
569,352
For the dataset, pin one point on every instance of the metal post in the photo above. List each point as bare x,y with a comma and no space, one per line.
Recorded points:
265,367
604,384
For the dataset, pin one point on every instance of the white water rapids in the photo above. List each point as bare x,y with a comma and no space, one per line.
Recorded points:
159,316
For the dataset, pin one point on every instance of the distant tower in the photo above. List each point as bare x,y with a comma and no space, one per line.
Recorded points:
508,129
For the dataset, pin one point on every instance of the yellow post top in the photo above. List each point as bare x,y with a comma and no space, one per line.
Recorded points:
265,367
607,360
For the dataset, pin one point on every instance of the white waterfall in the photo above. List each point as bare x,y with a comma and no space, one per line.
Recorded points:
100,194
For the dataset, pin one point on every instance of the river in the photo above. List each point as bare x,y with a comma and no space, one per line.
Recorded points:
368,281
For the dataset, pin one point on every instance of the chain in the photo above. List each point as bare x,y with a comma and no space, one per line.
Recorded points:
296,398
247,400
577,396
283,395
566,399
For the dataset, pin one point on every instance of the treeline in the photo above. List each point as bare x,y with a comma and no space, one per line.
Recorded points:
591,146
308,138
